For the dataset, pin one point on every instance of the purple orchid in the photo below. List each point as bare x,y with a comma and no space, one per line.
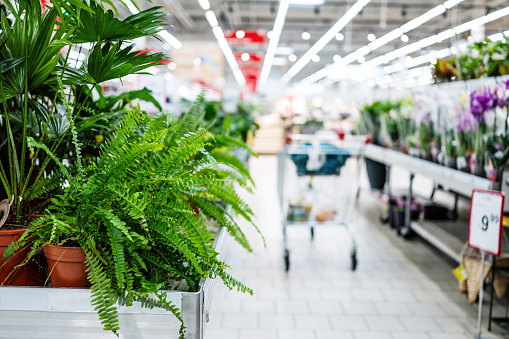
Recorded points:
481,103
465,123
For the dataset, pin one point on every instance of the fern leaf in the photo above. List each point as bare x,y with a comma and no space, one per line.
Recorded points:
231,161
102,295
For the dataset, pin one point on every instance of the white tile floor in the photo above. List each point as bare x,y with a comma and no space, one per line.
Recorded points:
393,294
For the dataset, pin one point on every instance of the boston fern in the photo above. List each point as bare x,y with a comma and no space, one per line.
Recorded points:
140,212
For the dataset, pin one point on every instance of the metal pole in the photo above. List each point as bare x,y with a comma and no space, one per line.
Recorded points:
481,295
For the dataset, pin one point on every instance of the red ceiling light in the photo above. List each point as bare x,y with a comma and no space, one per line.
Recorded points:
251,36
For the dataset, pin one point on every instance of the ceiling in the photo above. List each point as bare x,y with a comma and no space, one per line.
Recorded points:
378,17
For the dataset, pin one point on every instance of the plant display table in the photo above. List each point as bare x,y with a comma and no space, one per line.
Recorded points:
39,312
459,182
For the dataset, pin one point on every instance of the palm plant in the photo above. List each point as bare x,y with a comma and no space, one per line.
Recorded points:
33,73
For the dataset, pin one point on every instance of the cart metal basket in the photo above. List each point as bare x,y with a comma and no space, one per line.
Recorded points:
318,182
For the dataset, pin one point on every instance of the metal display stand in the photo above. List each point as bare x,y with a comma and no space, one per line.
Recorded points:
454,180
44,312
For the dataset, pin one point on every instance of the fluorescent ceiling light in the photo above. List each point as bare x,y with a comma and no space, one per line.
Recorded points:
228,54
324,40
437,38
470,24
274,40
451,3
170,39
131,6
432,13
211,18
204,4
305,2
399,32
174,42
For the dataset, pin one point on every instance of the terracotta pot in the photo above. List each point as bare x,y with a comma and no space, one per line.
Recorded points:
66,266
9,274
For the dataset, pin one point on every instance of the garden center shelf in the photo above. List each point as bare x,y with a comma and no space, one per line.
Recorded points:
454,180
43,312
447,236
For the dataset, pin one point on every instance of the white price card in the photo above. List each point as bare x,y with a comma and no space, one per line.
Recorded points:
485,229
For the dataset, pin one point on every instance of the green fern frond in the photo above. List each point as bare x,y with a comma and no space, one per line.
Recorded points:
188,122
231,161
230,281
117,228
34,144
47,184
234,142
218,213
101,293
177,241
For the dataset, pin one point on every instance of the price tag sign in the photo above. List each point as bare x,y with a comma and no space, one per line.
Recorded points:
485,229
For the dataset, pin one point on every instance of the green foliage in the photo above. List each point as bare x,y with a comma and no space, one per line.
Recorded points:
235,125
484,58
35,67
371,115
426,135
141,210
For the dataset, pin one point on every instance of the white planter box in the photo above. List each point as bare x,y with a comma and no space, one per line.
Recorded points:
39,312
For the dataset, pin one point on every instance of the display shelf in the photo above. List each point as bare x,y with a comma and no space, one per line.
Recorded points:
39,312
454,180
447,236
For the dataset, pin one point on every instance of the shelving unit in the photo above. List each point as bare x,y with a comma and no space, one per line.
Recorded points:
447,236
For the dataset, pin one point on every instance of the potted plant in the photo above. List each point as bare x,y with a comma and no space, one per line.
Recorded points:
426,136
480,104
463,135
137,213
35,63
450,150
370,123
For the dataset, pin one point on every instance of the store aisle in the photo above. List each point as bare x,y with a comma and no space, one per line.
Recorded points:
389,296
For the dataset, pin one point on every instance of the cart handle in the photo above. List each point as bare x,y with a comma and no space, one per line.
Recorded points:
340,135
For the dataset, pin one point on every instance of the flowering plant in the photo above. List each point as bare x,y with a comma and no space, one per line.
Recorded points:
497,148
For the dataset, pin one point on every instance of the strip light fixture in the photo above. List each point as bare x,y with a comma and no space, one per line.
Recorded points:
324,40
274,40
383,40
432,57
437,38
164,34
227,51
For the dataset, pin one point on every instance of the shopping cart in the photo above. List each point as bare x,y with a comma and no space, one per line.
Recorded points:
318,183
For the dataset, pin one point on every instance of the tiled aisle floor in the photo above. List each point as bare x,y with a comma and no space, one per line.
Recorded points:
401,289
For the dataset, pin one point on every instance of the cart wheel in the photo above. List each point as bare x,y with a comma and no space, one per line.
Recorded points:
312,233
405,232
287,260
353,258
384,218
